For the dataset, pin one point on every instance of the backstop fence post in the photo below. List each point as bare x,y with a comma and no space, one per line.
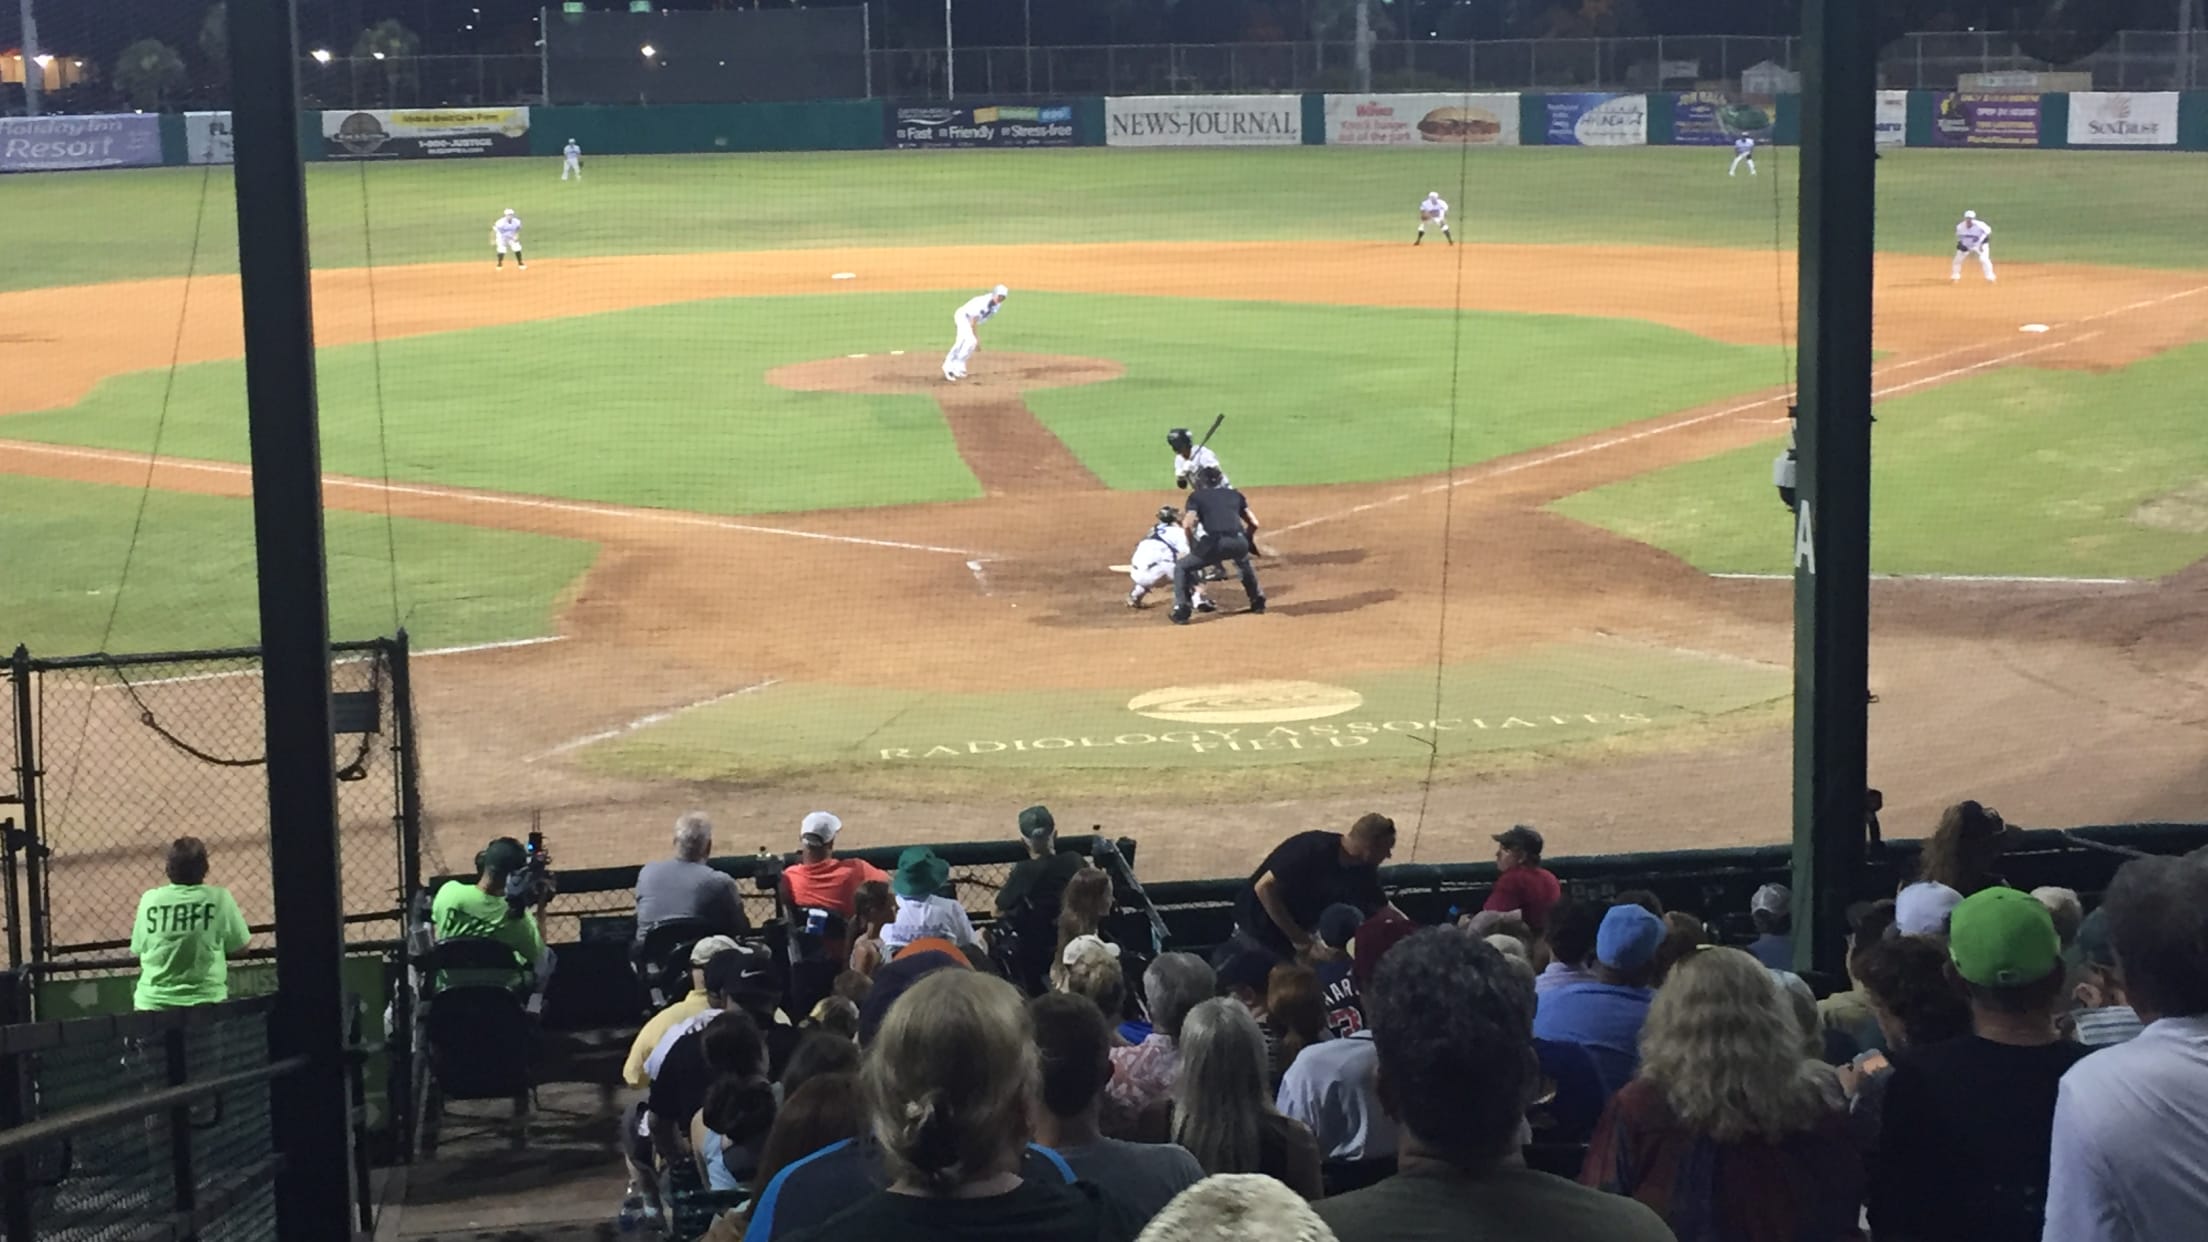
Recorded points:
409,817
33,837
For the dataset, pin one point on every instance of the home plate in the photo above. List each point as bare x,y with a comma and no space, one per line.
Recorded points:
2033,327
1121,569
845,276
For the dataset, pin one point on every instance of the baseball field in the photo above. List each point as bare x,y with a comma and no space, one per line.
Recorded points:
689,516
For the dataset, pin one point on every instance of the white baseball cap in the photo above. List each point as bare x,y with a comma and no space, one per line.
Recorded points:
1089,946
820,827
1771,899
1922,909
1970,215
703,951
1003,292
509,211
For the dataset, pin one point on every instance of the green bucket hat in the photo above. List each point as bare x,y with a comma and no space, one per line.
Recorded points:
919,873
2003,938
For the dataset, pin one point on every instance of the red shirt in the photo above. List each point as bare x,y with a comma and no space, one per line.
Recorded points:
830,883
1529,890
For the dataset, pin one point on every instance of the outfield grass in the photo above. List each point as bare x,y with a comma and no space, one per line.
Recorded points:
669,406
2081,206
192,583
2019,471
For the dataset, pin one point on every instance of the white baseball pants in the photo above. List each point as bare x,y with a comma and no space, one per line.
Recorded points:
1985,262
963,348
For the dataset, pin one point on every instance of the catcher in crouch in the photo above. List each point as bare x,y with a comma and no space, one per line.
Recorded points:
1150,565
1221,528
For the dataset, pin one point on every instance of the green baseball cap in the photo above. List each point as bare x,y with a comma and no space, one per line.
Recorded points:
1036,822
2003,938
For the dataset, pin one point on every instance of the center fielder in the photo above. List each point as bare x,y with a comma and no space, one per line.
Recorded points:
1433,209
1973,236
574,157
1744,152
505,237
1151,563
968,317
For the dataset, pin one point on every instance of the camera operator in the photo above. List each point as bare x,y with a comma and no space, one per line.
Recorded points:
512,885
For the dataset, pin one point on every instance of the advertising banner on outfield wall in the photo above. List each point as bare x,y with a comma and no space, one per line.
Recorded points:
425,133
1417,120
1588,120
1715,118
1203,121
990,125
53,143
1986,119
1893,119
2120,119
207,137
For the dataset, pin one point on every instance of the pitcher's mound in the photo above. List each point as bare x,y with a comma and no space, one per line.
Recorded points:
897,373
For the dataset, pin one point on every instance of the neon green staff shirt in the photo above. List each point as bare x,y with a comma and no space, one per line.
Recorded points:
182,938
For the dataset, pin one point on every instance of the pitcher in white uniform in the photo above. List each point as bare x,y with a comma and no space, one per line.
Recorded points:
573,155
965,320
1151,563
506,238
1744,152
1973,236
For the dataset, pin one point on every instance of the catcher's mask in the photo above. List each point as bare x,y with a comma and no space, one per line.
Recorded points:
1168,514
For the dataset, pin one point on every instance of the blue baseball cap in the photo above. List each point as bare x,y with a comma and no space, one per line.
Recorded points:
1628,937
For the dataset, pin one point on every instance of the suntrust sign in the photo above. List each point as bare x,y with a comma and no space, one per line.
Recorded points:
1204,121
2123,119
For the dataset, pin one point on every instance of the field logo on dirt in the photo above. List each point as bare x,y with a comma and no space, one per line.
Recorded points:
1247,702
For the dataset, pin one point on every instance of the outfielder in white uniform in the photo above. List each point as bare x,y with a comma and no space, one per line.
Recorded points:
1744,152
974,313
1973,236
506,237
1151,563
1433,209
574,157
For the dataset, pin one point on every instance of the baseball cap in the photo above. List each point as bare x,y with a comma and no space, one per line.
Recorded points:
746,971
1771,899
1628,937
1036,822
896,978
820,828
1521,838
1003,292
705,950
935,944
1922,908
1338,923
502,856
1088,946
1377,935
2002,938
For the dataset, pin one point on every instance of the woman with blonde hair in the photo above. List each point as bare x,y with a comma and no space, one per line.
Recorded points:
872,908
1081,911
1728,1132
1223,1111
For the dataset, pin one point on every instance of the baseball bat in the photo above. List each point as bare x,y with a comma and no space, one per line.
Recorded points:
1220,418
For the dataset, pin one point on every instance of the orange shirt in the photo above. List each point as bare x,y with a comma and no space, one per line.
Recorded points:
829,884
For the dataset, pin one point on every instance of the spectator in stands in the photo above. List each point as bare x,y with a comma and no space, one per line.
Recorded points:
1305,874
895,979
820,880
1090,968
1605,1015
184,933
1143,1076
834,1015
949,1083
2065,908
656,1027
1523,886
873,908
1237,1207
1683,934
1082,909
1849,1013
1244,976
922,909
1337,928
686,887
1572,930
1913,1004
1640,897
2104,1015
817,1055
1074,1042
1334,1087
1292,1002
1728,1132
1962,1151
495,907
2130,1154
727,1045
1029,904
729,1130
1772,909
1964,850
1923,908
1453,1025
821,1110
1222,1112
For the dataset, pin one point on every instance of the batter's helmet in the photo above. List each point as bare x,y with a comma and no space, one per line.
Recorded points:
1167,513
1179,440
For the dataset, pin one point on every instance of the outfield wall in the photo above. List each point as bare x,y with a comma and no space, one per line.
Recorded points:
2126,120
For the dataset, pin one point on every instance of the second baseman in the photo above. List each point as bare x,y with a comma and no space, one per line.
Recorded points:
1973,236
1433,209
968,317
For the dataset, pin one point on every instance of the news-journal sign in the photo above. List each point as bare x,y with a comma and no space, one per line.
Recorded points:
55,143
1986,119
1203,121
425,133
2120,119
1001,125
1591,120
207,137
1715,118
1893,119
1422,120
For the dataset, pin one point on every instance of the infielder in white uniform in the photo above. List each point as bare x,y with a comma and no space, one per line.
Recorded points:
1151,563
1432,209
1744,152
506,237
574,164
1973,236
965,320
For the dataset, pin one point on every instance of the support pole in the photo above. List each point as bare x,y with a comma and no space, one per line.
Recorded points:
950,56
34,74
1832,522
309,1118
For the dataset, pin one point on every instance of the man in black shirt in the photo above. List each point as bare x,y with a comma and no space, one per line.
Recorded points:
1220,528
1307,873
1030,899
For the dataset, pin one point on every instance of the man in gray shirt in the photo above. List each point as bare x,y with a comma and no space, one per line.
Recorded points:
684,887
1138,1179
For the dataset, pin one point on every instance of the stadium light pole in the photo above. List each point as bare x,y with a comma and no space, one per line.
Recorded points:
34,74
950,56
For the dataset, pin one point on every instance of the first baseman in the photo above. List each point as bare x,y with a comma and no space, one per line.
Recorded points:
1744,152
1973,236
968,317
1433,209
1151,563
506,236
574,156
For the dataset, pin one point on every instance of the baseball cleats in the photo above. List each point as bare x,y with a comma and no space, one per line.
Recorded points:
1179,616
1258,605
951,376
1134,599
1205,605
